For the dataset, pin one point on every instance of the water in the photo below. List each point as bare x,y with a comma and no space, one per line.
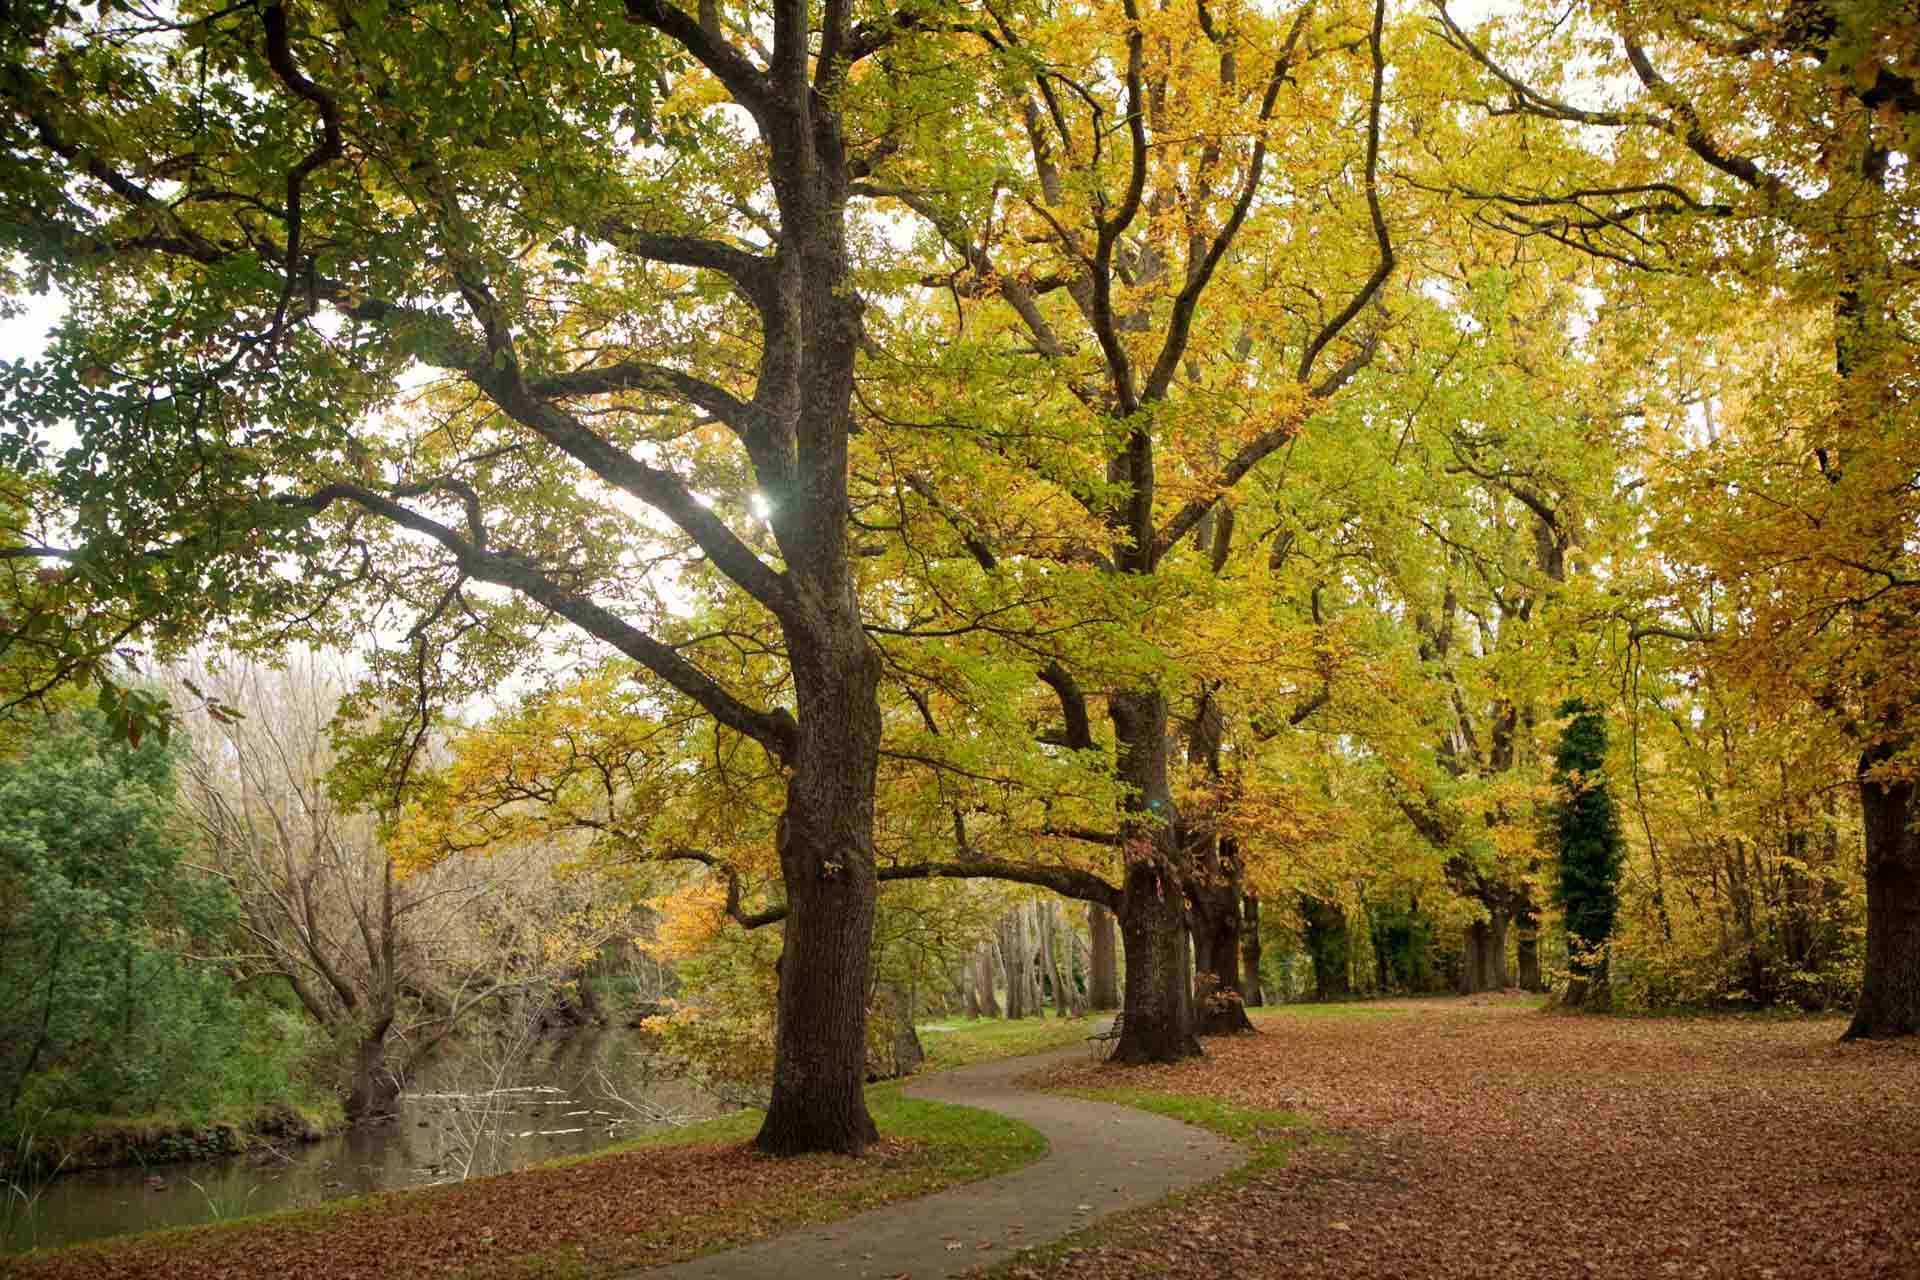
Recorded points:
466,1117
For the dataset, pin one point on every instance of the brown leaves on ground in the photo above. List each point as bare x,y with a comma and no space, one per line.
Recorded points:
1487,1138
638,1208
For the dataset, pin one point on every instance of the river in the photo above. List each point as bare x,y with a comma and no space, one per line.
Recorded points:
465,1117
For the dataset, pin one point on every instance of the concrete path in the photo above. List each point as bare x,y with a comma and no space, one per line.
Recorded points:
1101,1158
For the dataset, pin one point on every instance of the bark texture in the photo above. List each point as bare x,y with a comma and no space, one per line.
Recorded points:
827,866
1159,1024
1890,992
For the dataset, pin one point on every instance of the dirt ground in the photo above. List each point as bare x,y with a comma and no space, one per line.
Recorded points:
1484,1137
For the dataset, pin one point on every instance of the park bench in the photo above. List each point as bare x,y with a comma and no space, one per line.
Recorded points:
1104,1041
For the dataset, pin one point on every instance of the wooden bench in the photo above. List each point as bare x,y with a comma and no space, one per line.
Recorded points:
1103,1042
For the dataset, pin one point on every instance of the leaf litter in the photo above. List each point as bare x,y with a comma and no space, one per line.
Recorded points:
1485,1137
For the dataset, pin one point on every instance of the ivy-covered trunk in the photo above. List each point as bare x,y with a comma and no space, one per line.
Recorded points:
1890,992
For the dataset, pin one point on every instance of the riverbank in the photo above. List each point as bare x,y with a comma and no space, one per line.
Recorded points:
66,1142
581,1097
649,1202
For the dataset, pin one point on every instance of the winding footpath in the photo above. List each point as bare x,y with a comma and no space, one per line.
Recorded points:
1101,1158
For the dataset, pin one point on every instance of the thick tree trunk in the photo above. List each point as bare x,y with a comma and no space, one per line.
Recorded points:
1158,1011
1159,1024
1103,973
827,865
1216,946
1473,961
1252,995
1496,952
1890,992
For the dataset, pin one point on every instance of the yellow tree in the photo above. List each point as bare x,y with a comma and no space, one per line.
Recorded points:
1172,269
1768,152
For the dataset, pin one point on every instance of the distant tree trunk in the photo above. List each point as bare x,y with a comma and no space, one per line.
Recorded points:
1010,960
1062,990
1890,993
1473,964
1527,928
963,986
1330,947
1103,981
983,971
1250,949
1496,953
1030,954
1485,963
903,1054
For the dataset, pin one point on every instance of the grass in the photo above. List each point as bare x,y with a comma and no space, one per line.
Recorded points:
661,1198
1268,1134
971,1040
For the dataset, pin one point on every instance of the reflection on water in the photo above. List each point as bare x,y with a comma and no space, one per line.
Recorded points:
467,1117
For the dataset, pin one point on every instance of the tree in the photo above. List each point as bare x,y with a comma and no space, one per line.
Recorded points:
1116,367
109,1006
617,240
1587,848
389,964
1806,513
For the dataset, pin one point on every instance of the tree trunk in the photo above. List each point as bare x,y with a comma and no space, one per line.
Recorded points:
903,1054
1158,1014
1030,953
1062,989
983,971
1008,932
1252,996
1216,945
827,865
374,1087
1496,952
1473,962
1528,931
1103,980
1159,1023
1890,990
1330,947
963,984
